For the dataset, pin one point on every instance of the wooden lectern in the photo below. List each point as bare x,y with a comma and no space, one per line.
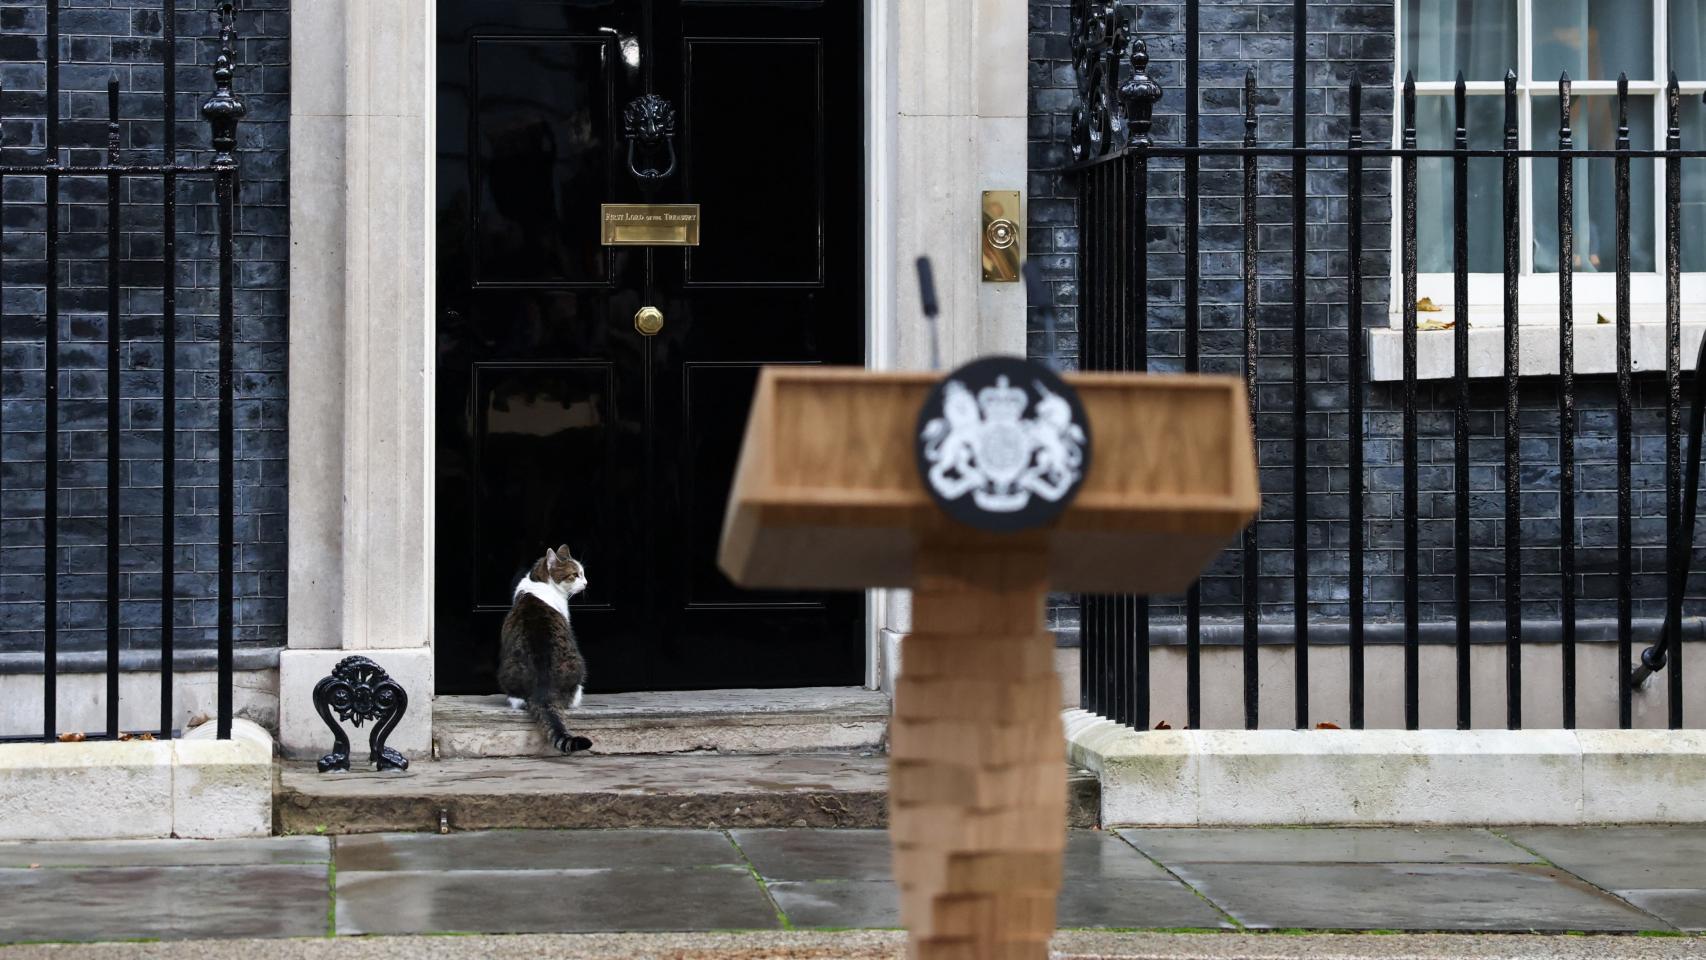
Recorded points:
828,495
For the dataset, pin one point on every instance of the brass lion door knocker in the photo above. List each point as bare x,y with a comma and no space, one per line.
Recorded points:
649,125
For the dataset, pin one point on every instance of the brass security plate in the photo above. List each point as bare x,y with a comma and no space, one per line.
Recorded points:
1002,239
650,224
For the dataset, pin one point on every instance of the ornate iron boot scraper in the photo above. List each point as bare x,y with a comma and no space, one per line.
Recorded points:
360,690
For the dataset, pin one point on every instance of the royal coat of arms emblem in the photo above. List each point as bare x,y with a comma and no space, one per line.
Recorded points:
1003,444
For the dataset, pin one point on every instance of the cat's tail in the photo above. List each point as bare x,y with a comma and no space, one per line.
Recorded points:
554,718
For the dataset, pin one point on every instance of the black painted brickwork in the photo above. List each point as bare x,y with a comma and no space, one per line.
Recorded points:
1344,37
101,38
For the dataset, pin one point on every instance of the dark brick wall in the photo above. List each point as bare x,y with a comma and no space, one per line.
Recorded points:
1345,37
102,38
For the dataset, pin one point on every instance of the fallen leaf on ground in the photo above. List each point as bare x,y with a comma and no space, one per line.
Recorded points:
1436,325
1328,726
72,738
1163,725
1427,305
1600,318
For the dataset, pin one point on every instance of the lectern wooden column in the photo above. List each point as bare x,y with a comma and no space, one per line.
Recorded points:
828,495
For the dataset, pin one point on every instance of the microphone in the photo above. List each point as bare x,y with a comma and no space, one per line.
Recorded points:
927,298
1037,293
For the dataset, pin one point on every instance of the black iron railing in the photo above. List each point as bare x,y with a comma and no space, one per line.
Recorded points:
222,112
1114,150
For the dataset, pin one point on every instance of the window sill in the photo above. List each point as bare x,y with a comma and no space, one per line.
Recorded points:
1596,350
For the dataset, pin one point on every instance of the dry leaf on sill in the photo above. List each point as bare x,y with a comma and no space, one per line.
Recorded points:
1436,324
144,736
72,737
1163,725
1599,318
1328,726
126,737
197,721
1427,305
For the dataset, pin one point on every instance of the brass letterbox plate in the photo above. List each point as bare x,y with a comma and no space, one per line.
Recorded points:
650,224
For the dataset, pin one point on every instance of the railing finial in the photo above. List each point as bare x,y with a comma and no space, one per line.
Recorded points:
1139,93
223,110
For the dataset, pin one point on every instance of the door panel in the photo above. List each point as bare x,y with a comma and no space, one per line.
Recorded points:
543,451
557,420
770,198
542,122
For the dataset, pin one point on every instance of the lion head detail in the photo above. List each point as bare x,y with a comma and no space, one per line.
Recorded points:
649,119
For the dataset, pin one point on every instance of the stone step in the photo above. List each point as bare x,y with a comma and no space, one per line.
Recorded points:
586,792
722,721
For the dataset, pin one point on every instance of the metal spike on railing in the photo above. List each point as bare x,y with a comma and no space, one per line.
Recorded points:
1625,409
1139,93
1037,293
1566,403
223,110
1411,445
1462,531
1249,108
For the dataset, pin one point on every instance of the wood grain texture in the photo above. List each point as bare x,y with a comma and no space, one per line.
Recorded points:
827,494
977,766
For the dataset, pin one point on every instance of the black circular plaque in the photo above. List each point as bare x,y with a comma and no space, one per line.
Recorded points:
1003,444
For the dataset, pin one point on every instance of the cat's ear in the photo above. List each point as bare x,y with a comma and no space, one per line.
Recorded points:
563,552
550,558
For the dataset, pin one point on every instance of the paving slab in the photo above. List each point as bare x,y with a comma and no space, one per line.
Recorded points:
537,850
817,854
1109,884
1682,909
1421,897
552,901
1623,858
886,945
129,903
1325,845
166,853
839,904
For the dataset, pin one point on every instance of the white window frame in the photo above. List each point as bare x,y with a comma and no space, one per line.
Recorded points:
1538,295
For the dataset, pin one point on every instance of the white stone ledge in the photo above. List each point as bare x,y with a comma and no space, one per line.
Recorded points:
1596,349
1391,777
196,787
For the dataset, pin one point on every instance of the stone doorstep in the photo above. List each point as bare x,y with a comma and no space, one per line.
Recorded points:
194,787
1390,777
804,720
586,792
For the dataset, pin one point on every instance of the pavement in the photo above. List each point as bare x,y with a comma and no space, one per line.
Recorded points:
760,892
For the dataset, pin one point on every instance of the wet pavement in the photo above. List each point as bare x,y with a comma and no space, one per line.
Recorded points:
1613,880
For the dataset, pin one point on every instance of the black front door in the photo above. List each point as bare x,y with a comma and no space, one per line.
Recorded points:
558,420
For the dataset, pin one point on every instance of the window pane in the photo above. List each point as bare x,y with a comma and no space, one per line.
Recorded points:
1442,37
1593,39
1594,119
1436,127
1693,185
1688,39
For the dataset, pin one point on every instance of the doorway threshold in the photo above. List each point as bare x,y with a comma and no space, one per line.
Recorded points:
798,720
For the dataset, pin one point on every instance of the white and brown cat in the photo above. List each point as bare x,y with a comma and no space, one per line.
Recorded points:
540,666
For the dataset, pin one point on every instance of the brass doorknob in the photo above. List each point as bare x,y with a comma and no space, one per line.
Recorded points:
648,320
